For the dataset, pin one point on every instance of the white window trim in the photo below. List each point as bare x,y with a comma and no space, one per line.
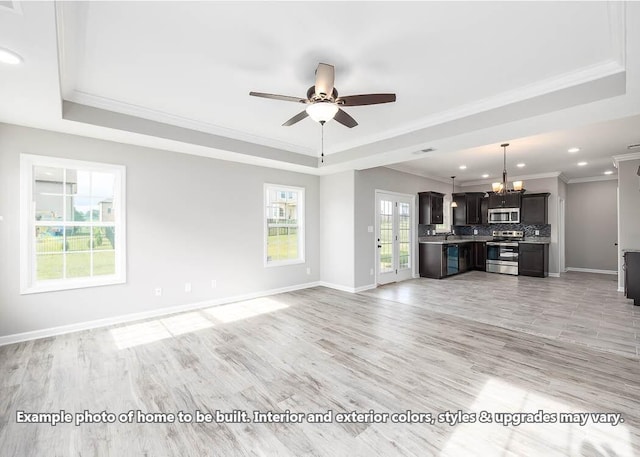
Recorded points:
301,224
28,282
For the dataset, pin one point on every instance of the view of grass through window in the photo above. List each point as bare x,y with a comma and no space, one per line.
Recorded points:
283,219
74,223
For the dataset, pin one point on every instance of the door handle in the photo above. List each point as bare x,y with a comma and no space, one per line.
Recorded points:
379,245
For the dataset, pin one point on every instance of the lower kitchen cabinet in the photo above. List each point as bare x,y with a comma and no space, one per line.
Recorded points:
433,260
440,260
533,259
632,276
479,256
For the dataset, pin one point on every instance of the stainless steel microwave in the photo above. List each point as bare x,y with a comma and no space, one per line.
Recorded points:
504,215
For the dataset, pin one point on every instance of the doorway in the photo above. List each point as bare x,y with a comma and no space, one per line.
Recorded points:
394,237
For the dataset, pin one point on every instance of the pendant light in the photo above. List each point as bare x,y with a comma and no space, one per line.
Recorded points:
453,190
503,187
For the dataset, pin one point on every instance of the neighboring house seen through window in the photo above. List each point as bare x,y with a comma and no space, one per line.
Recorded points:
284,225
72,224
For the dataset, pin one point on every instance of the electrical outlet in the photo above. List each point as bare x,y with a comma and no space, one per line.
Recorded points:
537,232
187,287
158,291
475,231
214,283
308,271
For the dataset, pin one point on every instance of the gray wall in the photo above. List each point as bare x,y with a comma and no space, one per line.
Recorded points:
336,229
366,183
592,225
629,198
189,219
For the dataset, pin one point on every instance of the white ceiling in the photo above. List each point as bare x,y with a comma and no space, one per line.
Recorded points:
468,76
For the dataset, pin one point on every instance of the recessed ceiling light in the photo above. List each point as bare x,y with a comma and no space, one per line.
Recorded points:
582,164
572,150
520,165
485,175
608,172
463,167
9,57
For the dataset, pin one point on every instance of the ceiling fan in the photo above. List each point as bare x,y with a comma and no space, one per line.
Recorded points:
323,102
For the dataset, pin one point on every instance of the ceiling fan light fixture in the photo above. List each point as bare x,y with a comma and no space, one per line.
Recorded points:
322,111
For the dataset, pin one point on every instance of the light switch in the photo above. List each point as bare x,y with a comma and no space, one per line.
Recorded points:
370,228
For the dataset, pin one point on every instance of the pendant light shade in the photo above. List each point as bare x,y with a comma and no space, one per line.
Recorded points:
453,190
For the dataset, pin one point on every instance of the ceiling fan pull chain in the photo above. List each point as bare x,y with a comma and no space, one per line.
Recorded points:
322,142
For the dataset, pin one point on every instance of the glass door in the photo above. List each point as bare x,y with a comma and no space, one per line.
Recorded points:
394,237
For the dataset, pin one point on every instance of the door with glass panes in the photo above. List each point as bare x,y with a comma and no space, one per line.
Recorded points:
394,237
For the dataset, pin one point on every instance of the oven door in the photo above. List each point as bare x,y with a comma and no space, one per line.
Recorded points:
509,252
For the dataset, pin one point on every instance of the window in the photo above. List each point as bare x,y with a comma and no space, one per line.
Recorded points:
72,224
284,225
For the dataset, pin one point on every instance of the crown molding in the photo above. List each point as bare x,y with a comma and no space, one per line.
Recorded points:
407,169
530,91
624,157
593,179
553,174
95,101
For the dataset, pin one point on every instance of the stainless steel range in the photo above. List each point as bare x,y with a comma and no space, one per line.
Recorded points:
502,252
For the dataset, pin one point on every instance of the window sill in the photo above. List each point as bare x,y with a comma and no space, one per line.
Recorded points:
282,263
55,285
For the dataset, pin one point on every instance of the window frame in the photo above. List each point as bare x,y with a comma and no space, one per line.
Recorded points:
300,209
28,265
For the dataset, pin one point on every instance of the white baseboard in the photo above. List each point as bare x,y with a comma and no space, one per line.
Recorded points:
620,289
591,270
342,288
63,329
367,287
554,275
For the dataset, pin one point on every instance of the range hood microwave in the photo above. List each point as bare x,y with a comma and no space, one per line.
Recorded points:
504,216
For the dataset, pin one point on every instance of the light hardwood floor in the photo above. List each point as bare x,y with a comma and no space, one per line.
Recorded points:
320,349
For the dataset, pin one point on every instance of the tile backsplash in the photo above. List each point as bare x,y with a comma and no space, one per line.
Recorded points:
487,230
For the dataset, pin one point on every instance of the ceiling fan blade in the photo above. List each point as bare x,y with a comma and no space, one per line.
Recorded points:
346,120
285,98
297,118
325,77
366,99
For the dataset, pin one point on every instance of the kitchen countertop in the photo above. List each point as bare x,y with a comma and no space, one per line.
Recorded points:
537,240
471,239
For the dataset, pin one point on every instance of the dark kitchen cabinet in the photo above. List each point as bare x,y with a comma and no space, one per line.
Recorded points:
484,211
430,208
479,255
632,276
464,257
533,259
433,260
469,210
535,208
508,200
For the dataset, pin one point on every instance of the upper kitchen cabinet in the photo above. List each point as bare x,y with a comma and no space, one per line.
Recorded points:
470,209
508,200
430,209
534,208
